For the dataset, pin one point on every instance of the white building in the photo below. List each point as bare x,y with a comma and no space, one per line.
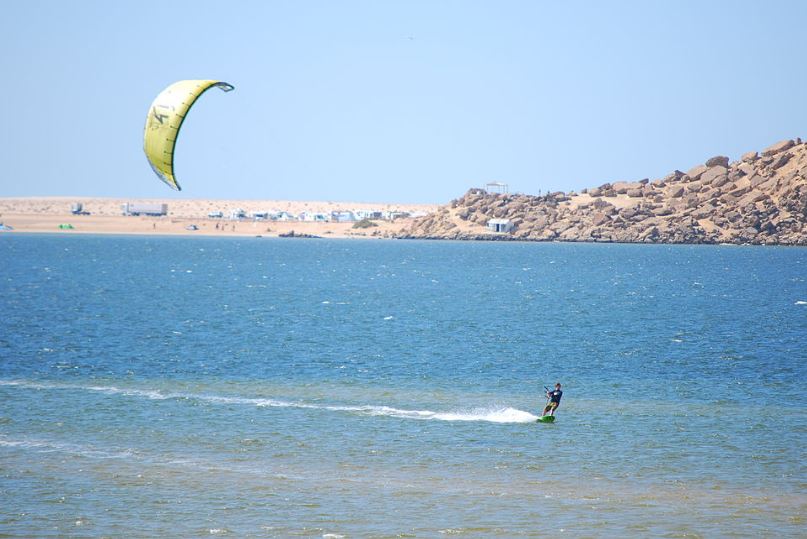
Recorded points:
343,216
368,214
313,217
283,216
395,214
155,210
500,225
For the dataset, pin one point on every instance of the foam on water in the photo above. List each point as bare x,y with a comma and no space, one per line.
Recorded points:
497,414
74,449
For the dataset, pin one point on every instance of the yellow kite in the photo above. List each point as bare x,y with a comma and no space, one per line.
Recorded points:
164,120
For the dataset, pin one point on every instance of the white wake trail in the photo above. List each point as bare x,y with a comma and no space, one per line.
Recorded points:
494,414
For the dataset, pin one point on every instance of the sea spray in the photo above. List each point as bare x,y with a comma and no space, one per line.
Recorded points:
492,414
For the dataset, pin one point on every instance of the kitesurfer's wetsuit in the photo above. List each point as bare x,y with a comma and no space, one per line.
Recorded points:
554,400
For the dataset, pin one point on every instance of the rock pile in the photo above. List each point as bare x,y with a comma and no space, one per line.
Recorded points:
760,199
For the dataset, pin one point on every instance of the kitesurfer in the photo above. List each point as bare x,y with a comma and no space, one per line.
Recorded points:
554,400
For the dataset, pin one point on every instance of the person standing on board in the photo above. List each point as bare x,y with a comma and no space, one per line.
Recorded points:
554,400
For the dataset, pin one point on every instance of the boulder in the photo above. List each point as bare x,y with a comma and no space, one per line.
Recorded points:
781,161
752,198
635,193
756,180
628,213
718,161
740,191
540,222
729,199
696,172
720,181
677,192
714,172
600,204
703,212
746,168
600,219
749,157
621,187
735,174
778,147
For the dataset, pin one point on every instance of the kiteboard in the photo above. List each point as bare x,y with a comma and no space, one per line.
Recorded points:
546,419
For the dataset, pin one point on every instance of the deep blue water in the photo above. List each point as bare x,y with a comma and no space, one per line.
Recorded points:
274,387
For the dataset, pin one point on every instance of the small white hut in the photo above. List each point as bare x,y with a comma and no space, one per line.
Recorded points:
500,225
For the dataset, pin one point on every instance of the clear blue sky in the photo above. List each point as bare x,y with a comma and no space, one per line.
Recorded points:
392,101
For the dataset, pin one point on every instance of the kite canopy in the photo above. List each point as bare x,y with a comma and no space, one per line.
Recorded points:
164,120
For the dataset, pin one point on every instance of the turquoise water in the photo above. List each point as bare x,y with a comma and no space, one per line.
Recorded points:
325,388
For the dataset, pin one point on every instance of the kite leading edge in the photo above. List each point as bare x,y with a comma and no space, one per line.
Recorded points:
164,119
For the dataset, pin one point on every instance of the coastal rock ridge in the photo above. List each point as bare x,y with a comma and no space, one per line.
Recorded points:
760,199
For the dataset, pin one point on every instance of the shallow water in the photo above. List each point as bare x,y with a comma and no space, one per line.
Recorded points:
262,387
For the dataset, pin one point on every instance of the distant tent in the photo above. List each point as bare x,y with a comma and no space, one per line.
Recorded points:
66,226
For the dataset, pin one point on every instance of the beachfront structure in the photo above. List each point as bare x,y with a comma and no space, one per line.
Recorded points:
283,216
77,208
260,215
497,187
500,225
154,210
215,215
314,217
392,215
368,214
237,214
343,216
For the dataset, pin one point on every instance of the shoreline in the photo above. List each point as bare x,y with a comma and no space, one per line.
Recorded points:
190,217
28,224
145,226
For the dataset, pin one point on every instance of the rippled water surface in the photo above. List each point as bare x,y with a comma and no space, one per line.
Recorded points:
269,387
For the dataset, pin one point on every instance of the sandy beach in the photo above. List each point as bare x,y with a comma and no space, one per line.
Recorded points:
105,216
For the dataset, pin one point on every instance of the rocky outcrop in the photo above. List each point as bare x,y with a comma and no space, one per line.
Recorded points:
293,234
760,199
